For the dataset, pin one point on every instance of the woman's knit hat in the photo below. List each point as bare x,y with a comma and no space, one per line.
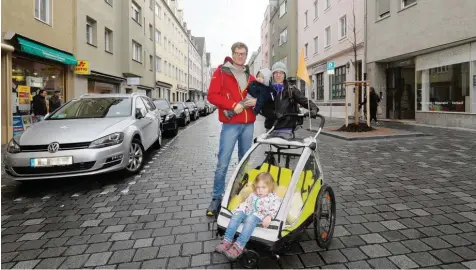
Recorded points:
279,66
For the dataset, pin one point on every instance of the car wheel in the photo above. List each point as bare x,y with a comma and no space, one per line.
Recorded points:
175,130
136,157
158,142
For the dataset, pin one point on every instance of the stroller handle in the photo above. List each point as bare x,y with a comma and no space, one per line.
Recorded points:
306,114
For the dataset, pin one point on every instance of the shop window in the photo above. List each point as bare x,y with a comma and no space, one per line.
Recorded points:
28,78
338,88
320,86
444,89
43,10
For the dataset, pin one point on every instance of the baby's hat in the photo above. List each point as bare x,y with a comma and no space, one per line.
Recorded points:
266,75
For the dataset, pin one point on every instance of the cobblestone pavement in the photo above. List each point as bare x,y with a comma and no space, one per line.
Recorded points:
402,203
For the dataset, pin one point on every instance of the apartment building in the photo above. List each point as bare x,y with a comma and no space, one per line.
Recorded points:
255,63
115,47
421,58
265,38
195,70
205,65
172,42
283,34
38,42
326,33
207,75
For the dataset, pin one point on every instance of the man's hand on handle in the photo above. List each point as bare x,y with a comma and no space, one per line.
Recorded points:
238,108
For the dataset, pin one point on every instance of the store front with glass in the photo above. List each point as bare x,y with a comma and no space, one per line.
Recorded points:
33,67
446,87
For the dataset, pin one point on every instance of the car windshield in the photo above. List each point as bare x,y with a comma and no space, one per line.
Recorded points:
190,105
162,104
179,106
107,107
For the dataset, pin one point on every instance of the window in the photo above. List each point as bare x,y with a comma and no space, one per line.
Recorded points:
158,64
136,12
443,89
383,7
305,50
158,10
165,68
282,9
316,10
328,4
283,37
109,2
320,86
343,26
305,19
149,103
272,29
151,32
151,61
108,40
140,104
316,45
158,36
42,10
328,36
165,43
338,88
90,31
406,3
136,51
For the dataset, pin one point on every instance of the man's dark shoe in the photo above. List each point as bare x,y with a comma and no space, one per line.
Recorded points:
213,208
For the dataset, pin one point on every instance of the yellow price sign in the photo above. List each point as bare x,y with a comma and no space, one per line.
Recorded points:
82,67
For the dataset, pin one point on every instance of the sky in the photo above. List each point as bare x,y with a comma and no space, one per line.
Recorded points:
223,22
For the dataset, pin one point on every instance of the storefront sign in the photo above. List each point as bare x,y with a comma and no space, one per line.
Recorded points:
82,68
441,58
319,69
34,81
24,94
18,126
133,81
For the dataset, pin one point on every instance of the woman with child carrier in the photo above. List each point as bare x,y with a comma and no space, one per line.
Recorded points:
285,99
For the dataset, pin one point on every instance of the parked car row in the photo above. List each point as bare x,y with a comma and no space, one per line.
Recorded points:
94,134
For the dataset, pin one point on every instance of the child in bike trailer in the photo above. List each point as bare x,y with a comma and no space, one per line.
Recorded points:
260,207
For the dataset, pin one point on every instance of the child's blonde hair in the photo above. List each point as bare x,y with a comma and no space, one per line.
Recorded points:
267,179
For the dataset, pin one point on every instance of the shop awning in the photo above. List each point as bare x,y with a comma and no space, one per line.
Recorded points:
37,49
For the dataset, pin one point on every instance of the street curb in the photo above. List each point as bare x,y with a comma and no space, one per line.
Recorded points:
374,137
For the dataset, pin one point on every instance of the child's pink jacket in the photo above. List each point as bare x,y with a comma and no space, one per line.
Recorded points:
260,207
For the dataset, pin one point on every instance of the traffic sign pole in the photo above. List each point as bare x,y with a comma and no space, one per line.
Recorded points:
330,71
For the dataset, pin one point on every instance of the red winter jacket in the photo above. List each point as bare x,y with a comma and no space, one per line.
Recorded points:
225,93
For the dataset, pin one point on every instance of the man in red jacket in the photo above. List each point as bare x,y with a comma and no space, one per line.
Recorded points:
228,87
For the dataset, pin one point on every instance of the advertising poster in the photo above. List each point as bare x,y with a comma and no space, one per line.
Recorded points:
18,126
23,95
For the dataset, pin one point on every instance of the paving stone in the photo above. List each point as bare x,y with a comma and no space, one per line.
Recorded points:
470,264
98,259
164,240
155,264
403,262
146,253
382,263
465,253
146,242
291,262
114,228
178,262
50,263
393,225
200,260
119,245
121,236
75,250
310,260
446,255
75,262
353,254
26,264
333,256
29,255
424,259
52,252
436,243
373,238
352,241
31,236
455,240
374,251
122,256
375,227
99,247
356,229
192,248
132,265
141,234
358,265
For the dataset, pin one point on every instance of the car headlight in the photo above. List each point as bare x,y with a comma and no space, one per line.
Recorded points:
109,140
167,117
13,147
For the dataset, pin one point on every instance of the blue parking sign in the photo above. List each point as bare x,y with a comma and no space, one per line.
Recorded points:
330,65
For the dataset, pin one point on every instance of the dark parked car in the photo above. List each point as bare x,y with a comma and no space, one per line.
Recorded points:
170,123
182,112
194,114
202,108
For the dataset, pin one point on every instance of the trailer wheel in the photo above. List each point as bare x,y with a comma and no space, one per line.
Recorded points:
325,216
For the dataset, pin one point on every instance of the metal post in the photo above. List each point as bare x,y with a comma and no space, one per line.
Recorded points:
330,90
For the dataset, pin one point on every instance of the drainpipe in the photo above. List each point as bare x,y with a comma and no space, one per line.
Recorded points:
364,61
154,68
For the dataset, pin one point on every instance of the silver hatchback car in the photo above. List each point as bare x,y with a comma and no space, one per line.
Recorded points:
93,134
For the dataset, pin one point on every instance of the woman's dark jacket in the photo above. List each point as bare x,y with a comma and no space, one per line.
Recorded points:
374,100
286,102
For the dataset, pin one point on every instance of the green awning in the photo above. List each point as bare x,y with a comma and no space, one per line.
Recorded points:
37,49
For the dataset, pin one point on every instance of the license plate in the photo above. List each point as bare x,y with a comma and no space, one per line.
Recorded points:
50,162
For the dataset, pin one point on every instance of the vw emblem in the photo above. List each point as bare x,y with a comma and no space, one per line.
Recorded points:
53,147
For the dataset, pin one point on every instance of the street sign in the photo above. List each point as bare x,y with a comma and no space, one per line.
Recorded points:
330,67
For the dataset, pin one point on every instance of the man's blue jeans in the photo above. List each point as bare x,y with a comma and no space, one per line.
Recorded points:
249,226
230,134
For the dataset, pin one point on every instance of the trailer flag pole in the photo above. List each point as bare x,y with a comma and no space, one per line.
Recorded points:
303,75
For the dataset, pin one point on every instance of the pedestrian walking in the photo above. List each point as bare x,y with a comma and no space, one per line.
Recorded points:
39,107
228,87
55,101
374,100
286,98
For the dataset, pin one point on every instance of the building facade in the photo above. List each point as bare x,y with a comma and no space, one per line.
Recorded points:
171,51
205,67
115,59
326,33
424,66
283,34
38,43
195,71
255,63
265,38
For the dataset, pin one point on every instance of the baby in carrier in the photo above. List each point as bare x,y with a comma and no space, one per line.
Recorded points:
259,89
